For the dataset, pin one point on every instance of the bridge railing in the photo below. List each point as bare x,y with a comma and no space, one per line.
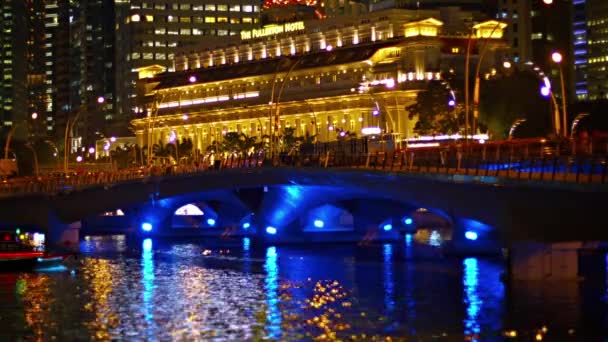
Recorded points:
60,182
533,163
532,160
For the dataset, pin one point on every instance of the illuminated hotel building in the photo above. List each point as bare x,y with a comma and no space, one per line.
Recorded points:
342,74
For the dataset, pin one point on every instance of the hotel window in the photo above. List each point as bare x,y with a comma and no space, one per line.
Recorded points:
209,19
160,56
247,8
184,19
147,44
172,44
135,55
222,32
222,8
197,32
222,19
172,32
235,8
148,55
197,7
247,20
160,44
209,7
235,20
185,32
160,30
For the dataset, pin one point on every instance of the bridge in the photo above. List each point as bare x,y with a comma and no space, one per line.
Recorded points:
338,196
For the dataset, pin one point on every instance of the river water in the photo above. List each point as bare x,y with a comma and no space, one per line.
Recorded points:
231,291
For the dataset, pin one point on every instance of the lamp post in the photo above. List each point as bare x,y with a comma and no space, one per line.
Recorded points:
557,59
69,126
276,103
152,120
477,79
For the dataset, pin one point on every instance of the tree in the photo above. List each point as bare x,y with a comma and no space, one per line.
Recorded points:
433,113
504,100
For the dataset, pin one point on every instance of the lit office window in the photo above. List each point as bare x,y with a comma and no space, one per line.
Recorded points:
222,8
235,8
210,20
247,20
185,32
160,56
222,32
148,55
184,19
160,30
209,7
197,32
171,19
184,7
198,20
135,55
235,20
222,19
197,7
247,8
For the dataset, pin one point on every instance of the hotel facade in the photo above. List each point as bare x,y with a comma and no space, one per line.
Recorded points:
344,74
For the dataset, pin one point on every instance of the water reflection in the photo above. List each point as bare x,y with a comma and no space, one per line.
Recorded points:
471,299
389,283
147,269
170,291
273,313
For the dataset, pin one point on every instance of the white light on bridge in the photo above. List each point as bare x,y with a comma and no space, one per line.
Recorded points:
211,222
146,226
271,230
319,223
246,225
470,235
387,227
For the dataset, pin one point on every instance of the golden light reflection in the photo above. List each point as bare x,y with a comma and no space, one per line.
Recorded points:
100,274
37,301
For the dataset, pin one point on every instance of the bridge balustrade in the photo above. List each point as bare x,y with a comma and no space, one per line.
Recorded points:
534,159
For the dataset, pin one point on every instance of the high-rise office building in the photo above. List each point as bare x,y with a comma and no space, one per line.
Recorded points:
590,38
151,31
13,63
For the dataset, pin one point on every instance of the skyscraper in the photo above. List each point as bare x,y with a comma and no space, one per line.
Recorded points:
151,31
590,33
13,52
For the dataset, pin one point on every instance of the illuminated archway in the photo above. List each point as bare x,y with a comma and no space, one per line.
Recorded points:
189,210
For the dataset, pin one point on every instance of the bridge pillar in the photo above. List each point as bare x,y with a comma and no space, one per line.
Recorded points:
544,261
62,236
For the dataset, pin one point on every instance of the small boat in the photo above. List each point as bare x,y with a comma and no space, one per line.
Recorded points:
16,255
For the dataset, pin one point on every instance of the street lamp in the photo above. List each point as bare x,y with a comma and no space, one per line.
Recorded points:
557,59
548,2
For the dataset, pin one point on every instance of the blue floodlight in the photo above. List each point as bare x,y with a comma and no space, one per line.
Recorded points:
319,223
211,222
387,227
246,225
470,235
271,230
408,221
146,226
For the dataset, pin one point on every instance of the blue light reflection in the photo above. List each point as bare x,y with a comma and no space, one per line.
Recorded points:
147,265
389,282
472,300
273,314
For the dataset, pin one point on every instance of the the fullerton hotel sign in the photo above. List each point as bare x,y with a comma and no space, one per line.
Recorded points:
271,30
